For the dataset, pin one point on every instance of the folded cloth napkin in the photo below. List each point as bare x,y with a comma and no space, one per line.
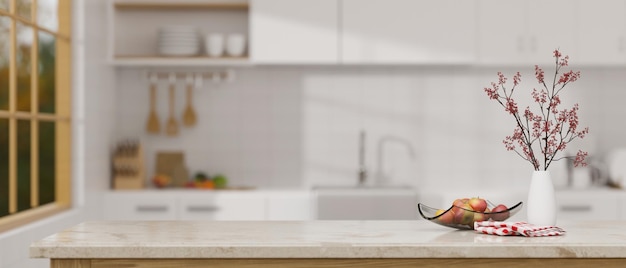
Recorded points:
516,228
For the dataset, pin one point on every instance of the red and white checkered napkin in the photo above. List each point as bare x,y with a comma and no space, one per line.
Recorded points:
516,228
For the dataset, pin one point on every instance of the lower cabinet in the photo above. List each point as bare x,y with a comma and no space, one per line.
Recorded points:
223,207
206,205
589,205
290,207
135,206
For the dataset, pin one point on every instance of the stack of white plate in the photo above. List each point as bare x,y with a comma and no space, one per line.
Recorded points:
178,40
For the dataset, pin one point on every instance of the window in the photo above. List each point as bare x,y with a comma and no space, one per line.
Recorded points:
35,110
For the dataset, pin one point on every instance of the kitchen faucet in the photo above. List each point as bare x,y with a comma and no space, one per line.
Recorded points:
380,176
362,170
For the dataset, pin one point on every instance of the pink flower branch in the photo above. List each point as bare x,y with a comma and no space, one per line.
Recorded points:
546,127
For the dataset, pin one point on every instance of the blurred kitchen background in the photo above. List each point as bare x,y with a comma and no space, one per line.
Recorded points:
335,109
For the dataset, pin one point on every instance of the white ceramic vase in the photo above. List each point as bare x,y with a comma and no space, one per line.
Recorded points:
541,203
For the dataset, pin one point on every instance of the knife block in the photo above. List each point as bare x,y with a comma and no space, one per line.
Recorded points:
128,166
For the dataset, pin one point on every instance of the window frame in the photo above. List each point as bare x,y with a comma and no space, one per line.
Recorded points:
61,117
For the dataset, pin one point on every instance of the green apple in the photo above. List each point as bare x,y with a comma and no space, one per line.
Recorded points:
220,181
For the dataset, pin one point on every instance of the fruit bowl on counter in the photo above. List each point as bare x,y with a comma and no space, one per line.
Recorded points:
464,212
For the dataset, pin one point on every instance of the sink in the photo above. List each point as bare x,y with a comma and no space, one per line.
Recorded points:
385,202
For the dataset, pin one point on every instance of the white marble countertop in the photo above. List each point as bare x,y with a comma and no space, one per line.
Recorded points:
321,239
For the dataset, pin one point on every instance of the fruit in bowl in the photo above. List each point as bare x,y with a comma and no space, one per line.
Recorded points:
465,211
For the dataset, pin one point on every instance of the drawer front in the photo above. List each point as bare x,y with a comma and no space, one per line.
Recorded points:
223,208
290,208
588,209
140,209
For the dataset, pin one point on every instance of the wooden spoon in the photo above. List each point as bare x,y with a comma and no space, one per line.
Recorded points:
189,115
153,125
171,128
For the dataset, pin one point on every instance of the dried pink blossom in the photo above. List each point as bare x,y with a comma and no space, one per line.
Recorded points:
568,77
492,92
511,106
548,130
501,79
556,100
540,97
539,74
517,78
564,61
580,159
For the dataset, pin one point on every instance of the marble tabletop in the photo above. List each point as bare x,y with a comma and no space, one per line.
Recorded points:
321,239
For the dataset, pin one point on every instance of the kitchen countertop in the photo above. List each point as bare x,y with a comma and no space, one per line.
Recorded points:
320,239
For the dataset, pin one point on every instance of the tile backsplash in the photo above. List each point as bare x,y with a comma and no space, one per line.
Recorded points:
299,126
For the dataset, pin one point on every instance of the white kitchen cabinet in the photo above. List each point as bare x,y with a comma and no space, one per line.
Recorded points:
201,205
223,206
407,32
502,31
138,206
294,31
601,32
589,204
290,206
552,25
526,32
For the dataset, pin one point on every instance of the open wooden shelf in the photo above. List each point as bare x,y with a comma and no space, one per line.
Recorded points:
161,5
154,60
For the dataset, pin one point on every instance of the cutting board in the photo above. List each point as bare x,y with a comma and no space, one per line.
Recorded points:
172,164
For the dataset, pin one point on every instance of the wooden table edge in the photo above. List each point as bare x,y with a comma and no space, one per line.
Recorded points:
333,263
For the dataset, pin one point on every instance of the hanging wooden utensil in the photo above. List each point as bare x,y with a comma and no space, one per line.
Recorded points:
189,115
171,128
153,125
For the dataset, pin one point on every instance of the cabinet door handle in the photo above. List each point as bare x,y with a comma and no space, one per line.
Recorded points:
576,208
202,208
151,208
520,44
533,44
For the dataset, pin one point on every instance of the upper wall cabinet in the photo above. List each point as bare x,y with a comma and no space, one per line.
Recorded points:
407,32
525,32
294,31
601,32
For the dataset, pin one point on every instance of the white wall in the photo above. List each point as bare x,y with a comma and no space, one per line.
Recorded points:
298,126
92,128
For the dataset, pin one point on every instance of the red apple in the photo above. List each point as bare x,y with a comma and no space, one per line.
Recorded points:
457,209
464,215
160,180
501,213
458,202
478,204
190,184
446,217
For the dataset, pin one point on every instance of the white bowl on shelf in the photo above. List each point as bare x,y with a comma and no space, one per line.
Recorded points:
236,45
214,44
